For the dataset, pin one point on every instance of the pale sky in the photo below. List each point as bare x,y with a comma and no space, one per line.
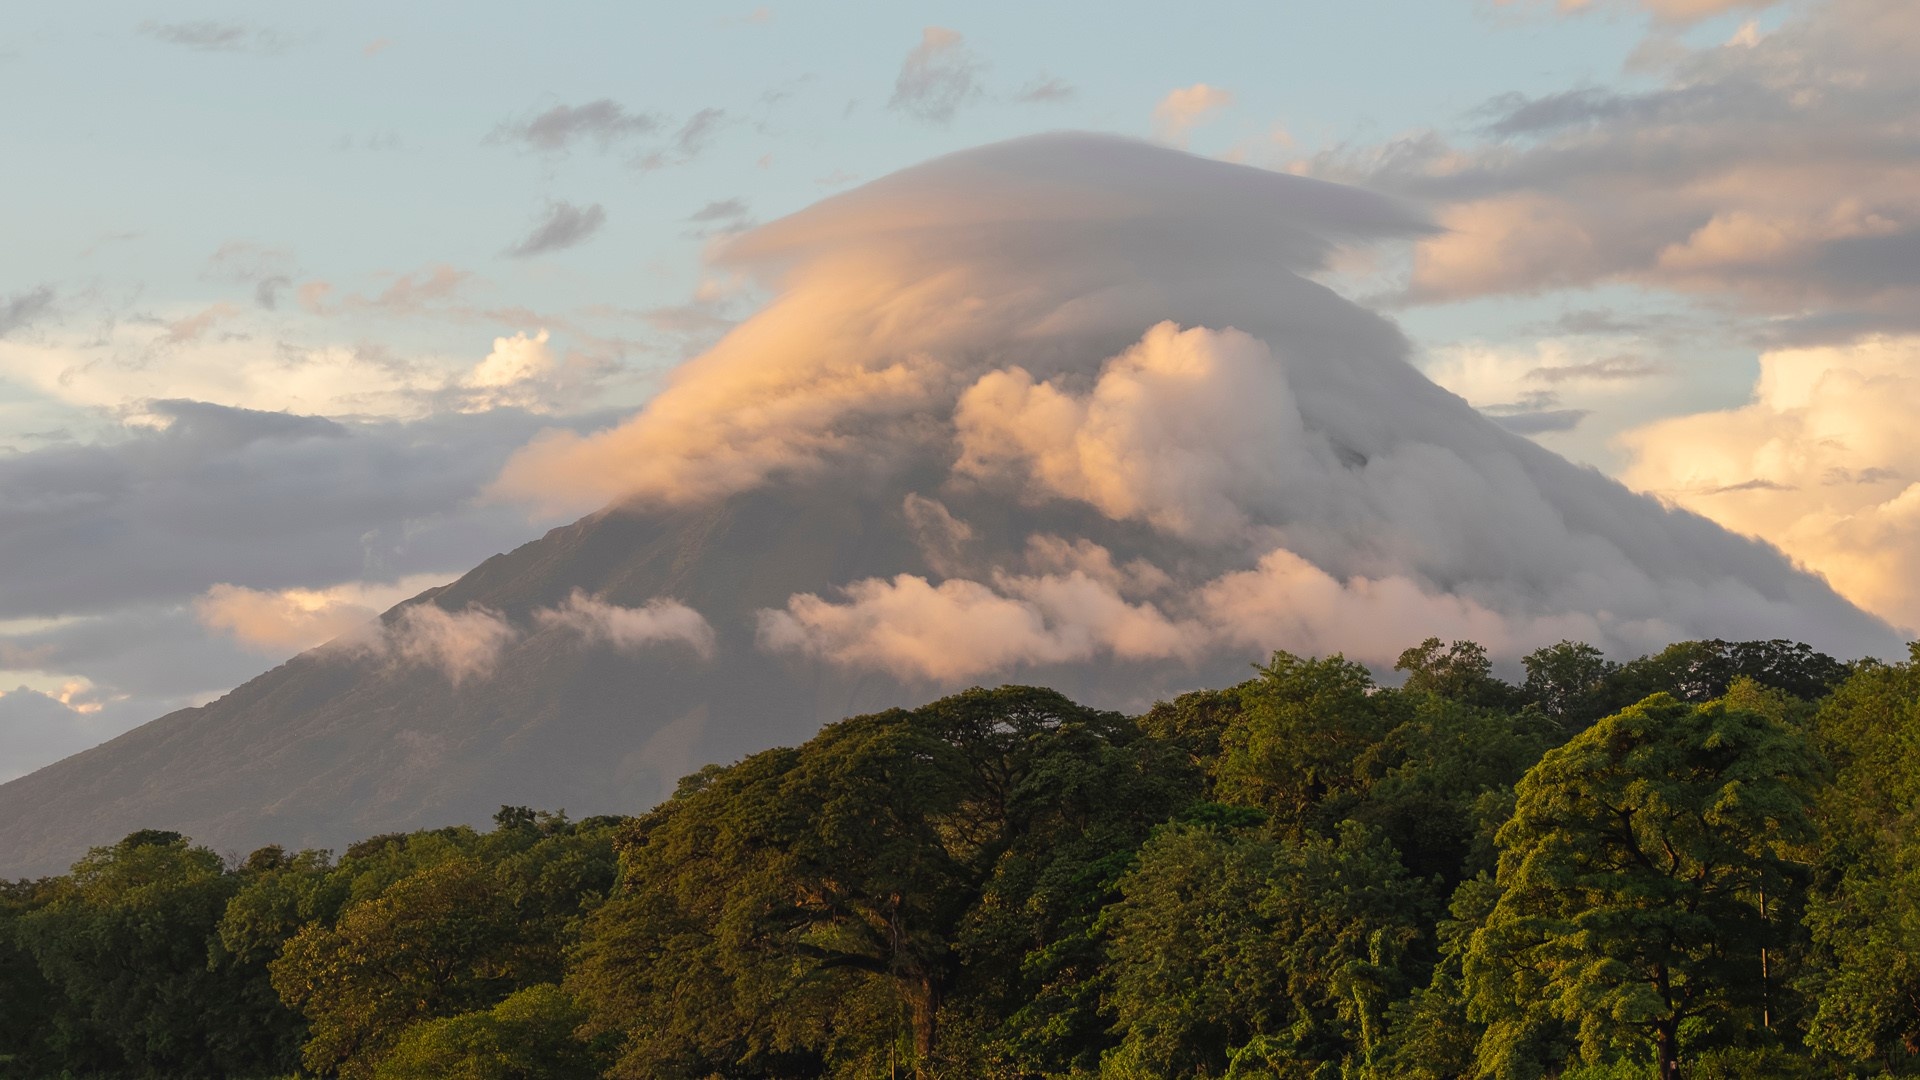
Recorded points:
406,239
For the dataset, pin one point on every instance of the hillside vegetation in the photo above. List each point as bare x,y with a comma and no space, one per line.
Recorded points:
1702,863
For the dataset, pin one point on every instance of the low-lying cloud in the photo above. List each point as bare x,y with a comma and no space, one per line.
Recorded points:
629,629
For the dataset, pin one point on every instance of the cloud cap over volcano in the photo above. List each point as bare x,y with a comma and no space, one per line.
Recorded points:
1079,322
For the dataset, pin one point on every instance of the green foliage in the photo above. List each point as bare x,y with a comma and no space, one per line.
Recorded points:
1298,746
1234,953
827,908
1459,672
419,927
1634,876
124,941
1865,909
1641,862
527,1036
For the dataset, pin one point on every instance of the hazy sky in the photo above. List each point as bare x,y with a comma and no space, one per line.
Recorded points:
282,291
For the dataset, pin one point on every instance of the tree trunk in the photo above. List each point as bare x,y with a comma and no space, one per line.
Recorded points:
1667,1042
925,996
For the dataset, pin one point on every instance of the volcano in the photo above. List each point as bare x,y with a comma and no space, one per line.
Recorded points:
1071,410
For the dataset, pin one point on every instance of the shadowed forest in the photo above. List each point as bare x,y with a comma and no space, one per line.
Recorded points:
1702,863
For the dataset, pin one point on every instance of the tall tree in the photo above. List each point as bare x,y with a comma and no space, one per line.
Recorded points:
1235,947
806,905
127,941
1634,877
1865,911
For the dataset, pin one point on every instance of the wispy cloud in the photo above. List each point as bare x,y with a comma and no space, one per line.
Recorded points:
1189,107
603,122
563,226
208,35
938,76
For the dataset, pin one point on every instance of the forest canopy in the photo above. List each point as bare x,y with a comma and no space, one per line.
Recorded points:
1703,863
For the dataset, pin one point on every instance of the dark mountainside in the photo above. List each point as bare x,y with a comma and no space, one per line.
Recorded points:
327,748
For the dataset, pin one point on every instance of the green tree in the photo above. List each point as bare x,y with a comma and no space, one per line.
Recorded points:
1572,682
1864,912
126,939
1634,881
1299,747
423,926
819,909
528,1036
1460,672
1706,670
1235,953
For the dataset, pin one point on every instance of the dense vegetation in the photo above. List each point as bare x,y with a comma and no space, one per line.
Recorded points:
1701,863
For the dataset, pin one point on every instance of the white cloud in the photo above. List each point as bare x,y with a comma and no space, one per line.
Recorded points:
285,621
1185,430
1822,462
961,629
1010,320
659,621
461,645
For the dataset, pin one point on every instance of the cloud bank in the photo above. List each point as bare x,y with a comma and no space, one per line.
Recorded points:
1083,321
1774,170
1822,462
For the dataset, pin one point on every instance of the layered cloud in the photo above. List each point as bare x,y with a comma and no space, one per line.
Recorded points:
1103,332
1774,169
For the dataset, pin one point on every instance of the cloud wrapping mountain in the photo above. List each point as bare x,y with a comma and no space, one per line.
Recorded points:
1070,410
1091,320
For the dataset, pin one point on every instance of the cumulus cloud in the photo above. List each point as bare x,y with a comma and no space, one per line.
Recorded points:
563,226
961,629
1773,170
885,309
1182,110
629,629
1185,430
1123,338
938,76
603,121
1822,461
1285,602
461,645
286,621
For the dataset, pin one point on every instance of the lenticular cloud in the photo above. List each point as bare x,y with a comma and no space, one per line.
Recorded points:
1121,348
